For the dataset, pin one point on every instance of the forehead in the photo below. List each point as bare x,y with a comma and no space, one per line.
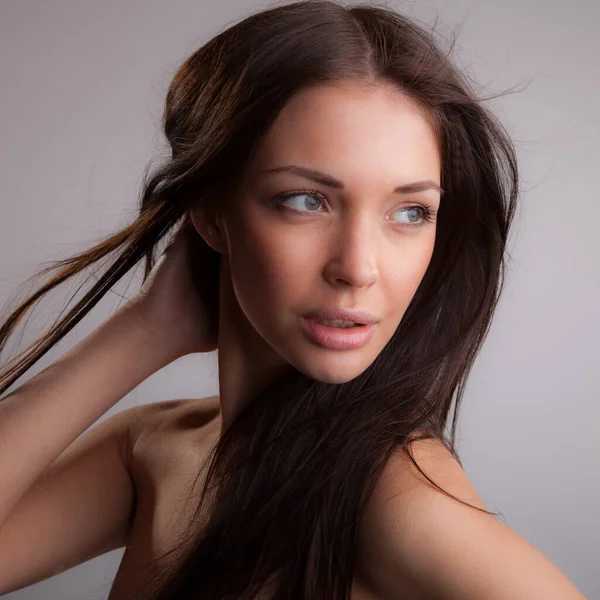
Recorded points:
351,130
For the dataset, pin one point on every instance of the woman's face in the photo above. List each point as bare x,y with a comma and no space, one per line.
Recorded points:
360,246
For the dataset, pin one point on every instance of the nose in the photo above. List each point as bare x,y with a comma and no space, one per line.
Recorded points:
352,252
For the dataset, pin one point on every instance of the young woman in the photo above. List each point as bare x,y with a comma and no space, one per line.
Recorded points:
341,202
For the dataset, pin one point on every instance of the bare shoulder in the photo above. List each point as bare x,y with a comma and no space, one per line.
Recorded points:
427,543
168,444
402,478
164,430
172,415
397,514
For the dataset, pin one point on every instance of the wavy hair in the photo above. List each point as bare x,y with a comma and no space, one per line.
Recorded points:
291,476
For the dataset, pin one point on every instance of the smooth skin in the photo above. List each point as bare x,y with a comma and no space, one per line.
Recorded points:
361,247
356,248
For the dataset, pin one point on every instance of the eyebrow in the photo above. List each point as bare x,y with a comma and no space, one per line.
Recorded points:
328,180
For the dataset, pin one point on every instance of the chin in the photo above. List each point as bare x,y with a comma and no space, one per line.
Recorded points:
341,369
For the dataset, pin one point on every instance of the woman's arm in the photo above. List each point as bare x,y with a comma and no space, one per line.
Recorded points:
67,497
82,506
40,419
64,500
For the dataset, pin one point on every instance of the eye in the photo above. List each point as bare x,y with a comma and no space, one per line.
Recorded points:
426,215
315,198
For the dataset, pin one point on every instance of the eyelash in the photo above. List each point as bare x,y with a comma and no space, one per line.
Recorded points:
425,211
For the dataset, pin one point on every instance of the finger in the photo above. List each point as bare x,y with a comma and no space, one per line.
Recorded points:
181,232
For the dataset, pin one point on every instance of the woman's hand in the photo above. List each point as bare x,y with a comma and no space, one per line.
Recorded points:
179,301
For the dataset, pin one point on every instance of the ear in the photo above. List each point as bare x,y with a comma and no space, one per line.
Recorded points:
210,229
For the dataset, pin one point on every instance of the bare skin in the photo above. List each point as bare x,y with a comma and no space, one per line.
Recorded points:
168,454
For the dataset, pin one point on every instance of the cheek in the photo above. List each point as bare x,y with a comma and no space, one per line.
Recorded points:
275,267
272,266
404,273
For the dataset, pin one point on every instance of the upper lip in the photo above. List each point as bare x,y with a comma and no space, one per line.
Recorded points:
332,314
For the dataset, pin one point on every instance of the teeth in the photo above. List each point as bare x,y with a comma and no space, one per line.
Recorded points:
338,323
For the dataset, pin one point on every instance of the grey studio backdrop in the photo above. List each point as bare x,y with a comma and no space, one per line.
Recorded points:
83,86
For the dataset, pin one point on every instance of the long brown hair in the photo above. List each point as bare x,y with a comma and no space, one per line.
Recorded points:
292,474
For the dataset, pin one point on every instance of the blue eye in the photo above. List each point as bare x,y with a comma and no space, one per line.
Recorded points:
315,198
306,193
427,215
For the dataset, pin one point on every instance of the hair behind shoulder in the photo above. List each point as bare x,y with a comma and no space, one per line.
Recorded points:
292,475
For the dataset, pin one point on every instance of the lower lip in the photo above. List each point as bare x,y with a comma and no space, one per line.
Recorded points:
338,338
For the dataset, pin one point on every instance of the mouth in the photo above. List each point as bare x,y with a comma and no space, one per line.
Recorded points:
339,323
338,335
341,317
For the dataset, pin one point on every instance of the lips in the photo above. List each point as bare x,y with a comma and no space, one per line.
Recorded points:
337,338
339,314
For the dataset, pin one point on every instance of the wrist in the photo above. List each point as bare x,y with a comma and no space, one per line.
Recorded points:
149,337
